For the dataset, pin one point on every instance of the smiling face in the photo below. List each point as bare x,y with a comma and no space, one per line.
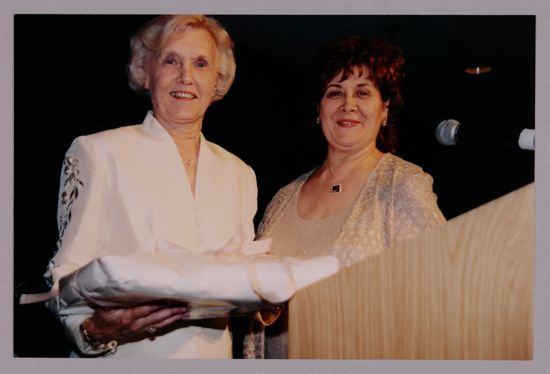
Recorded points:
181,78
351,112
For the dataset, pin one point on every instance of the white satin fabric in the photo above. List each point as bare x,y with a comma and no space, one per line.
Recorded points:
215,284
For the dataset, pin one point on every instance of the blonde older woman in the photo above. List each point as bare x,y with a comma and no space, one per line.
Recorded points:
126,190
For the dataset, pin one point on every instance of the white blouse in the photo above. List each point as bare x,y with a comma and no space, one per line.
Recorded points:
126,190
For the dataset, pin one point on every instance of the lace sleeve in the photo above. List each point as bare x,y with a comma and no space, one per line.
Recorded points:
415,206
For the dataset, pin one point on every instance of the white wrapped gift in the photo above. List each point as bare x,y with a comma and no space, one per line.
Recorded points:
214,284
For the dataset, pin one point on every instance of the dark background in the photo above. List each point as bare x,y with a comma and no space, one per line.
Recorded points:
70,79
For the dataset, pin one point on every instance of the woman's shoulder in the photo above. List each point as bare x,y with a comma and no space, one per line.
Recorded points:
96,148
293,186
220,151
226,156
111,134
278,203
402,174
106,139
404,178
102,140
397,164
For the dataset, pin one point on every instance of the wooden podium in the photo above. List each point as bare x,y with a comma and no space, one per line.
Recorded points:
460,291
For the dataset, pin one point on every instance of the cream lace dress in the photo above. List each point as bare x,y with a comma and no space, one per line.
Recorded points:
396,203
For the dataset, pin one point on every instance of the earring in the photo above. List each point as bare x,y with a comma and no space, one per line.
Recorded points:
384,121
317,121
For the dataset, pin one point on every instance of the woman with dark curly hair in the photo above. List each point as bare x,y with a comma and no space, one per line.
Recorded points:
362,199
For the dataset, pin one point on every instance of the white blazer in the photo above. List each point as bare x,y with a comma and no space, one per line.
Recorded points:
126,190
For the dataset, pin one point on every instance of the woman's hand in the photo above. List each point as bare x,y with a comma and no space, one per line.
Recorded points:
133,323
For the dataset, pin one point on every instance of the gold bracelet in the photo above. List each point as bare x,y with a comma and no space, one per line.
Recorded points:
110,347
275,313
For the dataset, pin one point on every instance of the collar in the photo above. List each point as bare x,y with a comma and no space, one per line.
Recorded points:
153,128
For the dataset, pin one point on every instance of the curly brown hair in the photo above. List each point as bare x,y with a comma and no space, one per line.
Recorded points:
385,64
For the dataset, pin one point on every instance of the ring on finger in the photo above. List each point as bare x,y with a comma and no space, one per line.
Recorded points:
151,330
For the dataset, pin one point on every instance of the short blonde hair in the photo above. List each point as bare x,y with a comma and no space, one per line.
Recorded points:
149,40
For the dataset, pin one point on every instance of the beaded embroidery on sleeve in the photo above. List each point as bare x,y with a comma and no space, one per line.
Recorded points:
68,196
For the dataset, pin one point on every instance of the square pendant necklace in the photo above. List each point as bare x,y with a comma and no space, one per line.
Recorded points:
336,187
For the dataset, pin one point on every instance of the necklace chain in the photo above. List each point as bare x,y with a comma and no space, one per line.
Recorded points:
337,187
190,161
